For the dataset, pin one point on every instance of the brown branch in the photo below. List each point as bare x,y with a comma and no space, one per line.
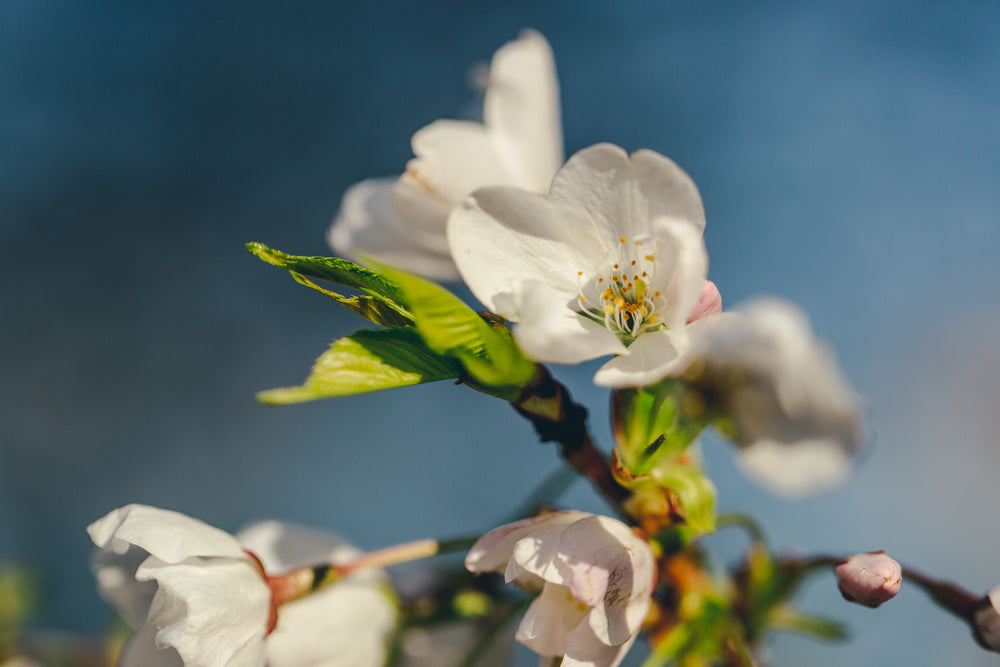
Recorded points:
557,418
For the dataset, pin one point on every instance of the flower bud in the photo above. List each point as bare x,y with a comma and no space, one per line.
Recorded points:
986,621
869,579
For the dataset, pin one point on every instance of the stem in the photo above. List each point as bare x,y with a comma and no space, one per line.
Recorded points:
300,582
557,418
956,600
551,488
742,521
947,595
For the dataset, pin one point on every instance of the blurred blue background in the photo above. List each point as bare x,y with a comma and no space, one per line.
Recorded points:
848,154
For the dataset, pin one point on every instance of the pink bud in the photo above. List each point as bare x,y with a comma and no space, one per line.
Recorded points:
869,579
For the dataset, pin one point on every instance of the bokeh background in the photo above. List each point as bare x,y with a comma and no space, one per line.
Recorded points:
848,154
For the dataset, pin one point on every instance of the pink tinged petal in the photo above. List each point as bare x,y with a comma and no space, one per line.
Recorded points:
212,612
396,224
521,110
986,621
710,303
586,650
491,552
681,267
627,193
549,620
552,332
613,568
651,357
454,157
869,579
503,238
169,536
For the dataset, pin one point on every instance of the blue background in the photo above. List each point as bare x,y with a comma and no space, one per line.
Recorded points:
848,154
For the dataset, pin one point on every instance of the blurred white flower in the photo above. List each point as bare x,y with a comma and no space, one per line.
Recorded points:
986,621
781,394
198,599
519,143
869,579
611,262
595,578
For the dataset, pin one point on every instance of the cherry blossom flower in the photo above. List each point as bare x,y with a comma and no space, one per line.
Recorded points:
198,598
611,262
594,575
519,143
781,395
869,579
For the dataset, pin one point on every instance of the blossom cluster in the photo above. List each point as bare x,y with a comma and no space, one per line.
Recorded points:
600,256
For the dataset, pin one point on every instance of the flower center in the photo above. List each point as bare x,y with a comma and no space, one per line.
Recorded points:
621,299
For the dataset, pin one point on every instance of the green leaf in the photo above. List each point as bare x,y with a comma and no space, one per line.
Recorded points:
695,491
368,360
451,328
335,270
654,422
368,307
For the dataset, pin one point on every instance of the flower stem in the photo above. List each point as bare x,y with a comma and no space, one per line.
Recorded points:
546,403
946,595
300,582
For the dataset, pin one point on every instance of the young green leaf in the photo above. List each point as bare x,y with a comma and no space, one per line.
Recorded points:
368,360
339,271
368,307
452,328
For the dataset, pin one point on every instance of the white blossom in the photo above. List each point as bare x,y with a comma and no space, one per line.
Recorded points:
197,599
783,398
611,262
519,143
594,576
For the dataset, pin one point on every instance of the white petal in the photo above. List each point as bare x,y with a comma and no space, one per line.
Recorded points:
140,651
491,552
502,237
611,567
454,157
283,546
116,582
349,624
395,223
681,265
521,110
213,612
170,536
627,193
786,402
586,650
552,615
343,625
552,332
651,357
797,468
